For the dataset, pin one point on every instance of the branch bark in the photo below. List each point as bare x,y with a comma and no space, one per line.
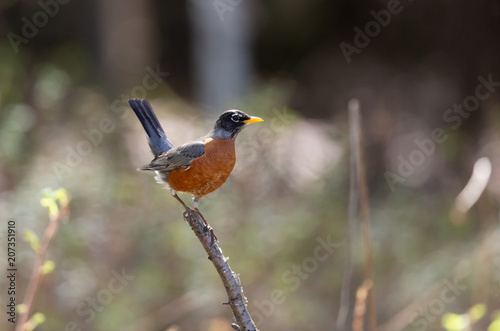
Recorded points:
236,298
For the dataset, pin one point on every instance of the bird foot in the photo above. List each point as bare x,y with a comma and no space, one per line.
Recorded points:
207,226
189,214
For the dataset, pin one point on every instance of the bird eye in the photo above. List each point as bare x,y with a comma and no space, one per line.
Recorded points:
235,118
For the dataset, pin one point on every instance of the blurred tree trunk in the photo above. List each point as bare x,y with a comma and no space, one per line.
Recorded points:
221,51
127,36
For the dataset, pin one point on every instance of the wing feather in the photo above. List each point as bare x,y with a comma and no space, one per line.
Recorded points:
180,157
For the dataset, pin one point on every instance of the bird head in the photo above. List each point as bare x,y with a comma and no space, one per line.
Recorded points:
231,122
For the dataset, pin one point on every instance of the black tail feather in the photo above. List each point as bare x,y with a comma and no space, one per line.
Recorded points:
157,138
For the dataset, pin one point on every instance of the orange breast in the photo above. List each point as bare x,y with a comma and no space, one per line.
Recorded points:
206,173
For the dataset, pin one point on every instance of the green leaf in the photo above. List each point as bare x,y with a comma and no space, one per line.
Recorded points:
495,326
51,205
32,238
35,320
454,322
47,267
62,196
476,312
21,308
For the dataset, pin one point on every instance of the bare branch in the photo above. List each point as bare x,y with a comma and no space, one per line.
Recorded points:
236,298
364,205
360,305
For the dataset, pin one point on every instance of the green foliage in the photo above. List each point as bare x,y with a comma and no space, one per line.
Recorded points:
32,238
21,308
51,199
35,320
477,312
62,196
51,205
455,322
460,322
47,267
495,325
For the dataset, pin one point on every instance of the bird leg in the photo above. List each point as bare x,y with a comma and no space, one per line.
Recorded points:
195,206
188,210
174,194
207,226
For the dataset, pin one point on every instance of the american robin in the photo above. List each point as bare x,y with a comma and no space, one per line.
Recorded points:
198,167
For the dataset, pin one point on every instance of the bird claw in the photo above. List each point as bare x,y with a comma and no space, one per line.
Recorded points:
190,214
206,227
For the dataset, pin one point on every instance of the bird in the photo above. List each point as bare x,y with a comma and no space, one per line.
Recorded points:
198,167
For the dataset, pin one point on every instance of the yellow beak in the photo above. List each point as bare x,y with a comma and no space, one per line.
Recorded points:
253,119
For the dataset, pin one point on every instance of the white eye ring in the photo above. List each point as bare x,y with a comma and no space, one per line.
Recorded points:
235,118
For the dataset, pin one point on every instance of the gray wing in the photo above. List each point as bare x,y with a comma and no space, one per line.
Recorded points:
180,157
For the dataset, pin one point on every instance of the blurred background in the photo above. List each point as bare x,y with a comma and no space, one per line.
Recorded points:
426,75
